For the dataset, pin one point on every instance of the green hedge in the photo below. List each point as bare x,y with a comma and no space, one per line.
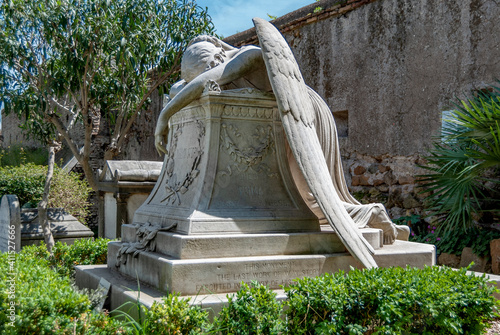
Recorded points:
390,301
27,181
175,316
254,310
433,300
65,257
45,302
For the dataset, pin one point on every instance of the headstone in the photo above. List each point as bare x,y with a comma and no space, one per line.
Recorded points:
10,222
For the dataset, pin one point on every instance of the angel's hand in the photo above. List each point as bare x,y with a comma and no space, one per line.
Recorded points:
161,141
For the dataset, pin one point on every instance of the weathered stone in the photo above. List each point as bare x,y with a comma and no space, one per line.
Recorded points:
396,212
389,178
468,256
403,180
373,168
450,260
410,202
10,224
377,182
383,188
359,170
355,181
65,227
384,168
495,256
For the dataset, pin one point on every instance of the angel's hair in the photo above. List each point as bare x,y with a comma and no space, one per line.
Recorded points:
196,58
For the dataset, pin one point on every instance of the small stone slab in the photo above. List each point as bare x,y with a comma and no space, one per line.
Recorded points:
10,222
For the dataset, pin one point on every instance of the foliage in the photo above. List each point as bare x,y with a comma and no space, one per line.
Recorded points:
91,62
65,257
455,241
45,302
254,310
17,155
463,165
433,300
175,316
68,191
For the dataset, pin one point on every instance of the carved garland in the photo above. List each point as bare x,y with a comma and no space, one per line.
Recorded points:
173,187
250,157
146,241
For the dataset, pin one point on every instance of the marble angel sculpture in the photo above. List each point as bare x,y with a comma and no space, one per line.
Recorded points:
313,153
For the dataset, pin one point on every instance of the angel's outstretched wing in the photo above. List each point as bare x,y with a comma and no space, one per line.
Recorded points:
297,115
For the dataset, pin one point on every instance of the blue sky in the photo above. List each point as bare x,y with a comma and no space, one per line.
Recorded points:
234,16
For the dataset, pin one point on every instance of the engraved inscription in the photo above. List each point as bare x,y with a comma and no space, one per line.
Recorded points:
272,274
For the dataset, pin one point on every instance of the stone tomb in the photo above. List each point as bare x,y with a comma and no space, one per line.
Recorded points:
225,210
19,227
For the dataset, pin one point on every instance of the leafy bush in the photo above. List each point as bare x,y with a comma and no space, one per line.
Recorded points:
27,182
16,155
175,316
455,241
65,257
45,302
254,310
463,165
390,301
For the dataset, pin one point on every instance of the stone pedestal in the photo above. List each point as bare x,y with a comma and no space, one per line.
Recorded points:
227,170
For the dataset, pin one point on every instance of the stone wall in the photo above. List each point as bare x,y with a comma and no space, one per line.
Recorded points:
387,69
12,135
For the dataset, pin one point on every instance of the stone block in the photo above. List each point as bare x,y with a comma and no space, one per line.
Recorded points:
10,224
222,275
468,256
403,180
495,256
389,178
384,168
450,260
227,171
65,227
359,170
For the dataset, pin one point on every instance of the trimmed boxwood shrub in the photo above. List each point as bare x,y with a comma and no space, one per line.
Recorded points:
65,257
46,302
254,310
433,300
175,316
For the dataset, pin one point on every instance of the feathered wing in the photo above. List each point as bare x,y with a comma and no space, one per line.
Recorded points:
297,115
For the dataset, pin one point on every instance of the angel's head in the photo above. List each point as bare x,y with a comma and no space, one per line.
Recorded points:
203,53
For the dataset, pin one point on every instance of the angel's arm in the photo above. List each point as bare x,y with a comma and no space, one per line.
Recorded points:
245,61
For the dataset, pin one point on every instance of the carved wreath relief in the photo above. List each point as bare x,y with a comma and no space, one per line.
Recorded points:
175,186
248,157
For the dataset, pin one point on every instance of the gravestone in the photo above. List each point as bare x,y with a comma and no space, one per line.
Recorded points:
10,224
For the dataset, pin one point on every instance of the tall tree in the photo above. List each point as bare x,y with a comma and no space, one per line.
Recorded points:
70,62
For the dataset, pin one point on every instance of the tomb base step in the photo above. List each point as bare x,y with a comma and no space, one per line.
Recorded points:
126,287
224,274
239,245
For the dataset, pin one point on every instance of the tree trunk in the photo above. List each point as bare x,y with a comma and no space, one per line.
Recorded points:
43,204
